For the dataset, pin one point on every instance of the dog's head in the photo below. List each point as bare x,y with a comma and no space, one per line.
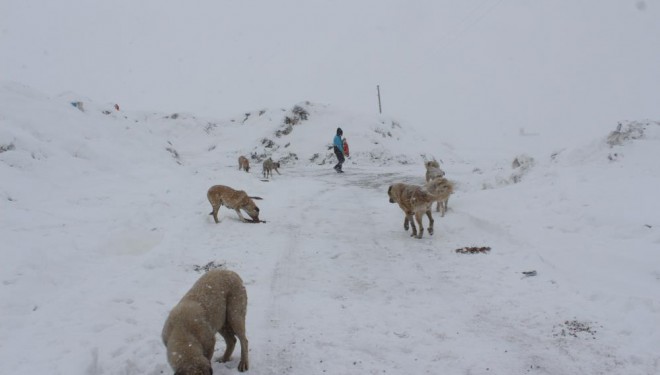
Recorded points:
276,165
252,210
432,164
391,194
200,369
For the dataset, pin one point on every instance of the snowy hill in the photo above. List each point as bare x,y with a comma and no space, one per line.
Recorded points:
299,135
104,225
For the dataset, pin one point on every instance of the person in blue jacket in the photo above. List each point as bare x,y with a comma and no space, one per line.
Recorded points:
338,146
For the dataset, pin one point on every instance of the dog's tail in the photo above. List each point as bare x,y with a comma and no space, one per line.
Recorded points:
258,198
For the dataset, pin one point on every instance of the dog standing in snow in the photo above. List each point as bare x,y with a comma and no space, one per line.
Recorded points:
243,163
416,201
217,302
441,188
433,172
270,165
413,201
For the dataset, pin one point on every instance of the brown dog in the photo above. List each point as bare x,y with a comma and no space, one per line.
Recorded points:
243,163
417,200
216,303
413,200
270,165
442,189
220,195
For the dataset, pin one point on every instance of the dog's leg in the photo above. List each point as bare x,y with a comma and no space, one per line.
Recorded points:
215,213
444,206
240,215
208,349
236,311
405,222
244,363
428,213
278,172
409,217
418,218
230,340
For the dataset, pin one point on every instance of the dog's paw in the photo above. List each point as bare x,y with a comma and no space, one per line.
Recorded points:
243,366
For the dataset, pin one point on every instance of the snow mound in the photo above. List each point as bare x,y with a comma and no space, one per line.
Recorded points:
633,130
285,135
31,136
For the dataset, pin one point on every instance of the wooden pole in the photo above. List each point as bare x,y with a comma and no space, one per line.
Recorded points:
380,108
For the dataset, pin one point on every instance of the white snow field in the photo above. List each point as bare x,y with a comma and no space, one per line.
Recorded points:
104,225
543,113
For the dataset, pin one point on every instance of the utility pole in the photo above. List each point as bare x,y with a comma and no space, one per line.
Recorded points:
380,108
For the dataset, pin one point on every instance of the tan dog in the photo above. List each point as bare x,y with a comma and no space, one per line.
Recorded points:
417,200
433,170
413,200
216,303
270,165
220,195
442,189
243,163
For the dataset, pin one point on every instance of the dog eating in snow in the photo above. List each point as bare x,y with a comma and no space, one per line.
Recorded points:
216,303
221,195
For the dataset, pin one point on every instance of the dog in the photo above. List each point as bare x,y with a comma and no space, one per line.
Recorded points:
270,165
433,170
217,302
413,200
417,200
243,163
441,188
220,195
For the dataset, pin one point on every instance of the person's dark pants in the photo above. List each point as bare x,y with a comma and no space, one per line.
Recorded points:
340,158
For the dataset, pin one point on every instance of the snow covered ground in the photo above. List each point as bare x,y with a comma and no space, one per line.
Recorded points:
104,220
104,226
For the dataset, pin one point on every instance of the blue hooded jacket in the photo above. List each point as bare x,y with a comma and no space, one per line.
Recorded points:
338,143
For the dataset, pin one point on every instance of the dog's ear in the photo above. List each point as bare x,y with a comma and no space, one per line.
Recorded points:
389,190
